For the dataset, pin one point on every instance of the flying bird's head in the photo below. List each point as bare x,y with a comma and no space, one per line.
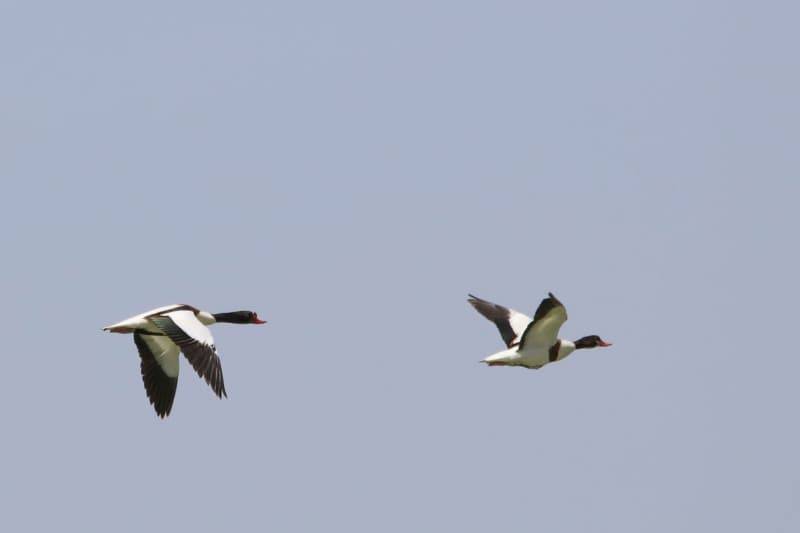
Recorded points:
239,317
591,341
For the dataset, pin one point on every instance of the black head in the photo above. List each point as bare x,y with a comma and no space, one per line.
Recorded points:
239,317
591,341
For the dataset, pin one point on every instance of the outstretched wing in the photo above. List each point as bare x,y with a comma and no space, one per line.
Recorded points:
196,343
159,366
543,331
510,323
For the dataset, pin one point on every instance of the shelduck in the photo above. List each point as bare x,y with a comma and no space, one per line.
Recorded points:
161,334
532,343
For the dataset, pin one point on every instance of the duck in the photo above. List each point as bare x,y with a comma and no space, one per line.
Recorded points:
532,343
161,334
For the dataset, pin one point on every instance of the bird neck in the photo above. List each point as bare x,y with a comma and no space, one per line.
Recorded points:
583,343
225,317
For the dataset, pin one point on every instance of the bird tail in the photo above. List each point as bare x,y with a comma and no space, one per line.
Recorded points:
503,358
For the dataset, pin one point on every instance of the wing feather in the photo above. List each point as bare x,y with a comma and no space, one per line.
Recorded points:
196,343
509,322
543,331
159,365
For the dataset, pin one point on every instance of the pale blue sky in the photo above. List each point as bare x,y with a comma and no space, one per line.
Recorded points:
351,170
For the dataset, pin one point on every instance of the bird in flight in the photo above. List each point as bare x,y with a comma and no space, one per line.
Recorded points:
161,334
532,343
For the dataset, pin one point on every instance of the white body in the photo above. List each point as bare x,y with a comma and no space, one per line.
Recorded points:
164,350
531,343
531,357
162,334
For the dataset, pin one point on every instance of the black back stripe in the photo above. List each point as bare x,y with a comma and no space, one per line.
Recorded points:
554,351
182,307
145,332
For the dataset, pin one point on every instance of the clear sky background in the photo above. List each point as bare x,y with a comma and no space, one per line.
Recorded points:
351,170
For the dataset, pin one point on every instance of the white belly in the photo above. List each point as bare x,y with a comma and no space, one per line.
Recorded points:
538,356
532,356
535,357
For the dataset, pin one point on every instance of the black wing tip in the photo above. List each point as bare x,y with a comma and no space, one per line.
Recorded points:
159,387
553,297
162,402
221,394
222,386
478,303
161,405
219,389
